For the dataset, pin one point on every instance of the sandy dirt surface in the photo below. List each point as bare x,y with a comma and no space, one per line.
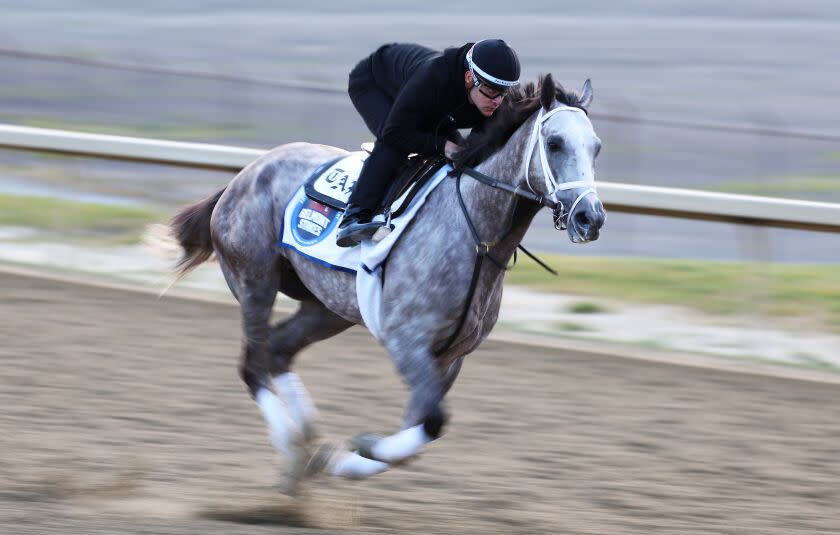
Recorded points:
124,413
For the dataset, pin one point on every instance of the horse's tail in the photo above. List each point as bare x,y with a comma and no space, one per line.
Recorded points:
187,237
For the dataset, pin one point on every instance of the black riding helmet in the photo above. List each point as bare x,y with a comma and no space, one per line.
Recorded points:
493,63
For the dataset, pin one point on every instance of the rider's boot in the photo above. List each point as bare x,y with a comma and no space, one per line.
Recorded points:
356,225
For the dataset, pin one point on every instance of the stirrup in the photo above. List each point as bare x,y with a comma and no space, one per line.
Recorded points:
356,232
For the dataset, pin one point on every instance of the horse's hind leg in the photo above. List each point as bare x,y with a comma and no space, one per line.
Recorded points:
283,401
255,287
312,322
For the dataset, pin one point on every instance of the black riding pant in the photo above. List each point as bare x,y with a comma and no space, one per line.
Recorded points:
378,171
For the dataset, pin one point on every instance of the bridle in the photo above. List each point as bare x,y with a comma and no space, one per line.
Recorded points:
560,214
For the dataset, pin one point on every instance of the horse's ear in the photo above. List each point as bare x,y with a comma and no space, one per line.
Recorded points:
548,92
586,95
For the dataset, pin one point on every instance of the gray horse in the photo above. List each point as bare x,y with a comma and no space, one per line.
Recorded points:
439,299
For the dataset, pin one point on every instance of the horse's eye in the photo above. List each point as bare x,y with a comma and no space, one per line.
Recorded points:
553,146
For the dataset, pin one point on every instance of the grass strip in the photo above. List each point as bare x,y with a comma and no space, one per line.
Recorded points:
809,292
77,219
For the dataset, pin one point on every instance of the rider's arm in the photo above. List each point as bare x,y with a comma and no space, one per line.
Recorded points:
416,102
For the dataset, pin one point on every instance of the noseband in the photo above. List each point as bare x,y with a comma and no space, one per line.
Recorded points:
561,215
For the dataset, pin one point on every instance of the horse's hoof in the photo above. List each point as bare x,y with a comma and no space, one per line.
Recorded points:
319,461
363,444
289,477
309,433
287,483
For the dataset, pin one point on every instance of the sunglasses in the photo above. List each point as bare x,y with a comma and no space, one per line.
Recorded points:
496,95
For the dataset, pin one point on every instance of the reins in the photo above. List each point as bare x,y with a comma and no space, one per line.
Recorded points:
559,212
556,207
483,248
516,190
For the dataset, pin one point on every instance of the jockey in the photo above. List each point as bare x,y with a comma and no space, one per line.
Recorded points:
413,99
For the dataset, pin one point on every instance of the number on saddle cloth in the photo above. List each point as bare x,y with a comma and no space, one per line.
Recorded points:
333,182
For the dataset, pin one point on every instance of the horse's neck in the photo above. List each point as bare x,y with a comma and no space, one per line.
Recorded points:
494,212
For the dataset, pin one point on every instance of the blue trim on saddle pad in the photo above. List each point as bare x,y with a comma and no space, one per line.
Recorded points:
316,260
309,229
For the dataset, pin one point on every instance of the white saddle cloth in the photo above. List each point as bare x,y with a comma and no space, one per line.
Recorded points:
310,227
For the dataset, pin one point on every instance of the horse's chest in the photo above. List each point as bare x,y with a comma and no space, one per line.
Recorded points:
483,314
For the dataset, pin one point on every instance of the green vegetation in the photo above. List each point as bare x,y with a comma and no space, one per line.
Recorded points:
811,361
184,132
570,327
820,188
805,293
77,220
585,307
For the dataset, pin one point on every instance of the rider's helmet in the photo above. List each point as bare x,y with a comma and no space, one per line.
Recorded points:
493,63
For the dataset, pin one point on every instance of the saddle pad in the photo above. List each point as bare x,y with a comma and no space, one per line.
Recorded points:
332,183
309,228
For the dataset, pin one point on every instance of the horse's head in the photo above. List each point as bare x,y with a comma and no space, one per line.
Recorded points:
560,161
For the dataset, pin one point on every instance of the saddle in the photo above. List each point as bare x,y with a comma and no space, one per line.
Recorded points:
331,183
410,178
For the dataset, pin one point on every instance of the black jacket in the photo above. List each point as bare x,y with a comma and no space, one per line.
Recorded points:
428,88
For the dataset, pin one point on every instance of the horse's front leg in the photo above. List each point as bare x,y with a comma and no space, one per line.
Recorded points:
424,419
424,414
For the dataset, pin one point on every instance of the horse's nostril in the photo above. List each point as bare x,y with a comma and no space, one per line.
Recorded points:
582,219
600,218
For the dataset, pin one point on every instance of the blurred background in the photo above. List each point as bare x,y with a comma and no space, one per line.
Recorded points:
736,97
726,96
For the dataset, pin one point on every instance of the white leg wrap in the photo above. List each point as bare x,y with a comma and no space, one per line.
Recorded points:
402,445
290,389
354,466
281,429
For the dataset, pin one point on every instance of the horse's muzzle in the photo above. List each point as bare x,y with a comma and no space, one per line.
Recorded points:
584,225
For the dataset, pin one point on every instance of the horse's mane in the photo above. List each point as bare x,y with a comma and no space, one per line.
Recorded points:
520,104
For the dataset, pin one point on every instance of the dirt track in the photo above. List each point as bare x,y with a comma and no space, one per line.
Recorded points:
123,413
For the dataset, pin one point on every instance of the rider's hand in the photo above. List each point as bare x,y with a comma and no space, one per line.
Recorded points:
450,149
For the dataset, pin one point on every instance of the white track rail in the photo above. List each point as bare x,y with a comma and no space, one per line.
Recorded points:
670,202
